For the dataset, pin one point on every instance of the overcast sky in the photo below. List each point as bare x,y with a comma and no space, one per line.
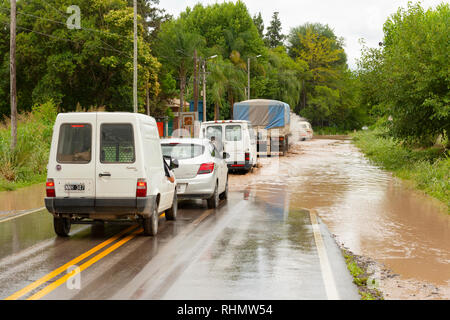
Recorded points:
351,19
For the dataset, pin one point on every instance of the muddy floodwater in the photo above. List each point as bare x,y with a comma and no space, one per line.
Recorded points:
404,233
15,202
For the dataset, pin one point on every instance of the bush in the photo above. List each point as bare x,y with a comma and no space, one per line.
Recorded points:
29,159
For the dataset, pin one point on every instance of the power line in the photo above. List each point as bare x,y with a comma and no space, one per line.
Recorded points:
64,23
65,39
63,14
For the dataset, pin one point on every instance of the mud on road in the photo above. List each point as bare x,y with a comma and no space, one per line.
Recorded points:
400,234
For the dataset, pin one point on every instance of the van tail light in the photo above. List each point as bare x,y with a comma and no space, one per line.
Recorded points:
206,168
50,188
247,156
141,188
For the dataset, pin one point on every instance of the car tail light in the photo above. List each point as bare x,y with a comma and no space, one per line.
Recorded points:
50,188
141,188
247,156
206,168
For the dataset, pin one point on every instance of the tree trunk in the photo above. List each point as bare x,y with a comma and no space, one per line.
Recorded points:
12,66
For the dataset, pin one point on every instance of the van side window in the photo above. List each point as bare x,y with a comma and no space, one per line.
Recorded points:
117,143
74,145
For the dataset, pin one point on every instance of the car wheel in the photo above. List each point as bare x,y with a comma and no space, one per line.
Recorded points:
213,202
171,214
224,194
150,224
62,226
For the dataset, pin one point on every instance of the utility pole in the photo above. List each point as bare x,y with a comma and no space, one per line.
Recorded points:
12,69
195,82
248,76
135,102
204,91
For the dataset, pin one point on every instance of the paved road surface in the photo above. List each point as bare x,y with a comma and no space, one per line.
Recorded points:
246,249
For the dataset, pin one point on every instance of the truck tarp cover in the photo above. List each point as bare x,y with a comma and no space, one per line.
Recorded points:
260,112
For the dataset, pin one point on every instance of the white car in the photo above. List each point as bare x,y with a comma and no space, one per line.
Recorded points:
306,131
108,166
237,138
202,171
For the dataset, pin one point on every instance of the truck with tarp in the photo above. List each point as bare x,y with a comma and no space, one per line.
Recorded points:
271,121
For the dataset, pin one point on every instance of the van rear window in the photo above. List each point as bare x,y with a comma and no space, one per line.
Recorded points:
117,143
74,145
233,133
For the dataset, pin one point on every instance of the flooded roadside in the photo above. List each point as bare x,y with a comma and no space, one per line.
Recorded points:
21,200
371,212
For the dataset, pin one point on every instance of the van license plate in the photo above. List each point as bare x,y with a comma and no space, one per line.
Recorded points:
181,188
74,187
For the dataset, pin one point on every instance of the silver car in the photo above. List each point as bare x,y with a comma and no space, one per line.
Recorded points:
202,171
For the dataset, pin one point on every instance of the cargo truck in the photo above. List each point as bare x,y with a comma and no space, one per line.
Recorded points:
271,121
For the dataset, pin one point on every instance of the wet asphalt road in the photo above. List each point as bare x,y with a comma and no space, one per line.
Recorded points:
245,249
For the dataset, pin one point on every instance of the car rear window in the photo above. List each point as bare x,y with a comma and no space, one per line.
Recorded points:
117,143
74,144
233,133
182,151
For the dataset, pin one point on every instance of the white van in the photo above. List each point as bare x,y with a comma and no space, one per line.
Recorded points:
306,131
108,166
237,138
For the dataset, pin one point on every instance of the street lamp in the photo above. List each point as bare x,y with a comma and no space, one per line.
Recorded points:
248,69
204,85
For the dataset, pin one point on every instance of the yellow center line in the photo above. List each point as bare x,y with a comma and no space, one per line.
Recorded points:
63,268
84,266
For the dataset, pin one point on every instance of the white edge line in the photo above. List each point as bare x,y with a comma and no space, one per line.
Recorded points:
22,214
327,275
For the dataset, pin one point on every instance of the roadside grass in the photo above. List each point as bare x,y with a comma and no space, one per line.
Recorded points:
26,165
427,168
358,270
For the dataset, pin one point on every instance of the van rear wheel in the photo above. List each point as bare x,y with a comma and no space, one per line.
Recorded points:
171,214
61,226
150,224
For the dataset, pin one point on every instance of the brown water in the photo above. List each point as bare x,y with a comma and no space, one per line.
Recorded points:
28,198
371,212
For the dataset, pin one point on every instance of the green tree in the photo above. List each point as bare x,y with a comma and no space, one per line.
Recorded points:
274,37
259,23
415,68
91,66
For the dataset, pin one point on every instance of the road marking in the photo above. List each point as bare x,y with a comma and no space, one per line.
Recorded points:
327,275
21,214
84,266
63,268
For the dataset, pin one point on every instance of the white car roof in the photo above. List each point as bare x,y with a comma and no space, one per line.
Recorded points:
185,140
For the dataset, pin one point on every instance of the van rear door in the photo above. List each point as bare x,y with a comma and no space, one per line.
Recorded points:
74,169
234,143
118,166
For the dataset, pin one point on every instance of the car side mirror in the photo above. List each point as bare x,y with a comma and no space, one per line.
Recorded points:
226,155
174,164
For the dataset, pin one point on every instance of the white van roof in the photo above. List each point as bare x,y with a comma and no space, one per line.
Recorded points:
77,116
225,121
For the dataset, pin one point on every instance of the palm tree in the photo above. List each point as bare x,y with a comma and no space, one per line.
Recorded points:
175,48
